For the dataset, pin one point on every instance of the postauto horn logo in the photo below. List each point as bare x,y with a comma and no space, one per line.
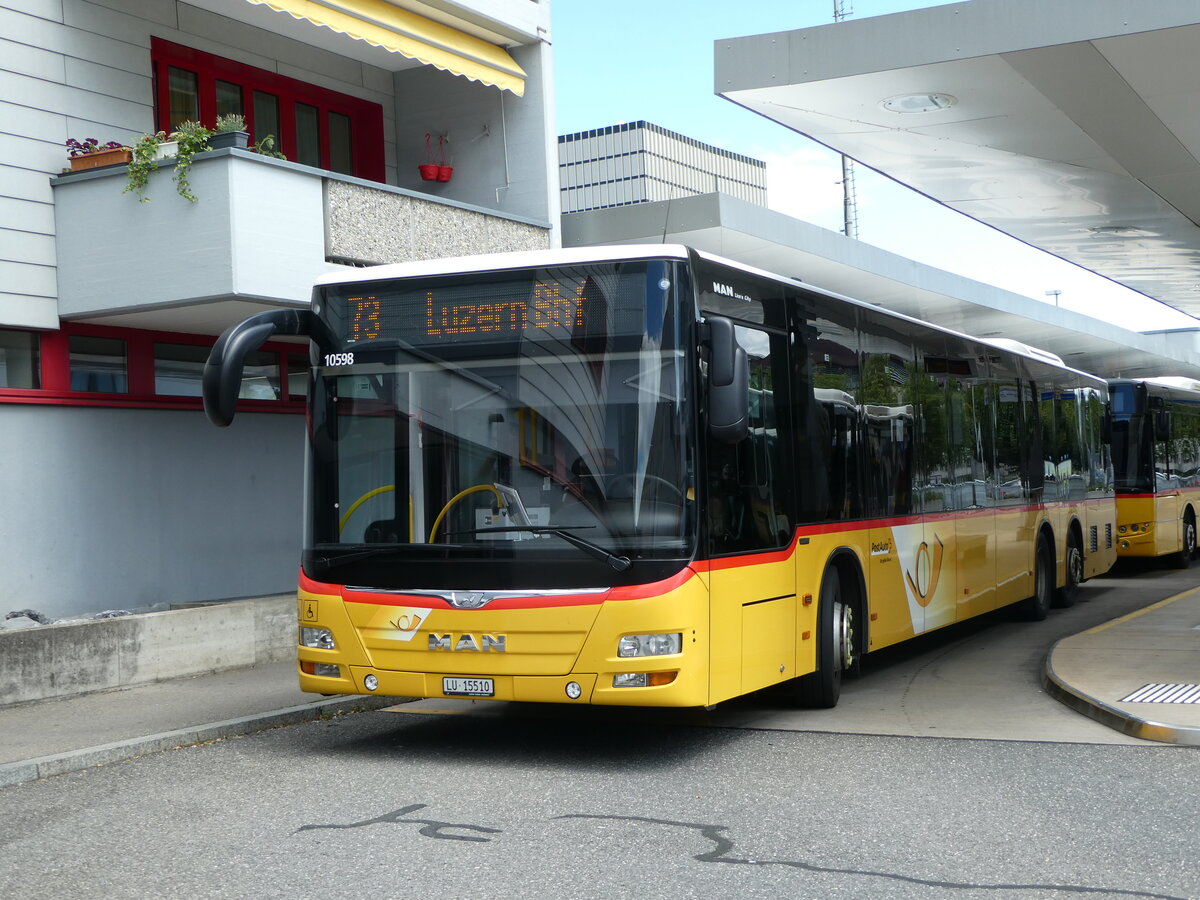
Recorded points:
923,577
407,621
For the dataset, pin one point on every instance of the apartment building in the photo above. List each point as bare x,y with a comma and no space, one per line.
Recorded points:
640,162
117,493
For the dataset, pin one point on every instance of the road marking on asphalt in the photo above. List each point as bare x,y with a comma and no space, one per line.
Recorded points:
1141,612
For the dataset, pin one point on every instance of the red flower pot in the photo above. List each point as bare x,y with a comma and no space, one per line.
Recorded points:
444,173
429,172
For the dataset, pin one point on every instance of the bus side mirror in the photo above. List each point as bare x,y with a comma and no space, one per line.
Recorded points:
728,384
222,379
1162,425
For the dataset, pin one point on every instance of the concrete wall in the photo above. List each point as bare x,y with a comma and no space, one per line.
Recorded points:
72,68
77,658
375,226
125,508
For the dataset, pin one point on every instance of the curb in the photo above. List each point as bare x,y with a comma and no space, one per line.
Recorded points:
119,751
1109,715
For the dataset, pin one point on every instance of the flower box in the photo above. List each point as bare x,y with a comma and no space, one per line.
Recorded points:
98,158
238,140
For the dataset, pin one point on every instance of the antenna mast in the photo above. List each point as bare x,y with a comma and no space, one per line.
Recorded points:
842,9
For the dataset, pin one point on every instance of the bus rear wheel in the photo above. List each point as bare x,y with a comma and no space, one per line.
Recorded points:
1037,607
1183,559
836,649
1066,595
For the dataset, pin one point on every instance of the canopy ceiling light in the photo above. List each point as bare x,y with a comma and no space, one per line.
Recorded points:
918,103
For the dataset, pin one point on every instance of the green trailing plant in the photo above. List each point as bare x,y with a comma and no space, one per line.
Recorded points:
193,138
143,162
230,122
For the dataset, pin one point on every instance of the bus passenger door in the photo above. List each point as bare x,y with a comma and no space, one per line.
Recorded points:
974,476
1019,478
752,579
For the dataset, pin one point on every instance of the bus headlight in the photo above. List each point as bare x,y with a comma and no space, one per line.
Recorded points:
317,638
649,644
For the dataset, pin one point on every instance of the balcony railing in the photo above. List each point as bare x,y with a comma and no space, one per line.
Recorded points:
258,235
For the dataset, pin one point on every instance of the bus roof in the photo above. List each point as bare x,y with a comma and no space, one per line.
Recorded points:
566,256
517,259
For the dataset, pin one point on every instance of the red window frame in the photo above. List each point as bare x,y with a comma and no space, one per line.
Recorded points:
366,118
55,362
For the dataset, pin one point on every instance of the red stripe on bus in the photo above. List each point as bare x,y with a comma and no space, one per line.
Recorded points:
532,600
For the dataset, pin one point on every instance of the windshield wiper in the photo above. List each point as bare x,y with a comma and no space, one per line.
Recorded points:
332,562
619,563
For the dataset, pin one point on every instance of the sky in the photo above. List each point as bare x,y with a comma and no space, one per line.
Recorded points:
628,60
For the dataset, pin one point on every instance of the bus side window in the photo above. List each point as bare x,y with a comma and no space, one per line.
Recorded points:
831,435
889,420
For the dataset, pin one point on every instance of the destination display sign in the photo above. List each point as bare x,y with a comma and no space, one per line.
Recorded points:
578,304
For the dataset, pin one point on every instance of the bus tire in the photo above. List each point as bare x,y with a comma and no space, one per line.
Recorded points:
1066,595
836,651
1183,559
1037,607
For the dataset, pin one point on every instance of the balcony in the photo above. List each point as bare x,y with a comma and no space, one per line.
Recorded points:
262,230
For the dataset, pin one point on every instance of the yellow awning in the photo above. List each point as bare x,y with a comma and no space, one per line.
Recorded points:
415,37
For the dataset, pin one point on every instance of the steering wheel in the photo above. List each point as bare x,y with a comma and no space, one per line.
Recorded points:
449,503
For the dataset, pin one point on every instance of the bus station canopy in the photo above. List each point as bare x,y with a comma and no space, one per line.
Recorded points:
778,243
1070,125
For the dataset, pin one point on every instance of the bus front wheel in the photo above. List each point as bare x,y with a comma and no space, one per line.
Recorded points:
836,648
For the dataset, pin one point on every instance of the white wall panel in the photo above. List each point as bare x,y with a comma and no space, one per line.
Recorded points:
27,153
32,61
21,278
23,311
26,184
104,79
29,249
32,123
25,215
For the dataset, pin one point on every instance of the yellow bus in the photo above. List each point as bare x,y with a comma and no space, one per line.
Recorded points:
644,475
1156,459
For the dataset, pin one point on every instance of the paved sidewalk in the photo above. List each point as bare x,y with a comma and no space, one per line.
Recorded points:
50,737
1139,674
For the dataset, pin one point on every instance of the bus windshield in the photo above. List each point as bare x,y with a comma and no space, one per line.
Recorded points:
1132,442
534,416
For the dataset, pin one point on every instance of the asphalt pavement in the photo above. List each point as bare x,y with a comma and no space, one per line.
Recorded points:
1138,674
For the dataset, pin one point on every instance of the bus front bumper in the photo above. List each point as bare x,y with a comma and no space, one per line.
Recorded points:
576,687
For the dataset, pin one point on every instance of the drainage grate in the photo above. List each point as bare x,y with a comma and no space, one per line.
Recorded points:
1165,693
